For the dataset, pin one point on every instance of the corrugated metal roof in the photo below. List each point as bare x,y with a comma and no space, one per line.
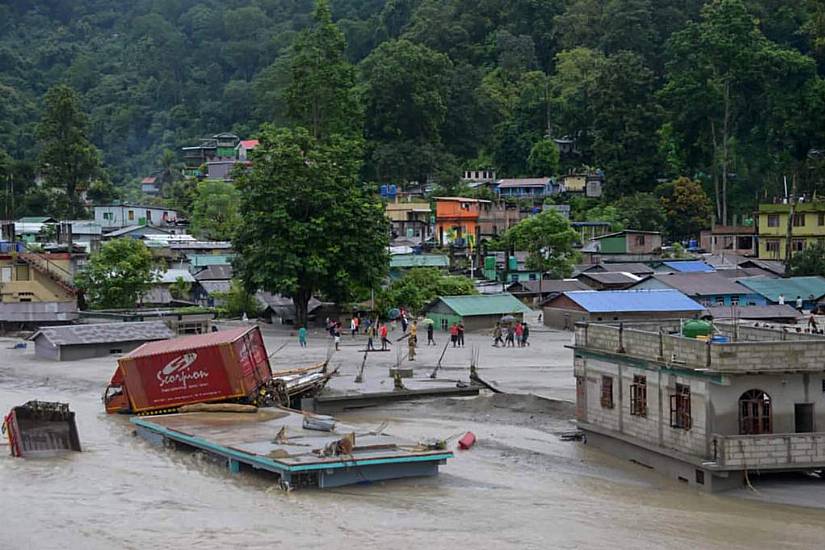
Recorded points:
484,304
190,342
200,260
621,267
214,273
101,333
172,275
633,301
700,284
611,277
689,266
790,287
548,286
418,260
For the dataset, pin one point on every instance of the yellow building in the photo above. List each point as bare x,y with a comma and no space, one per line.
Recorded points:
36,288
808,228
410,219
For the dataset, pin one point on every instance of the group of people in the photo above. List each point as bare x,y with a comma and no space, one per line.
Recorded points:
511,335
457,334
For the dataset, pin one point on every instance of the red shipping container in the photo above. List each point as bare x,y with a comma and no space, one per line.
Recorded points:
217,366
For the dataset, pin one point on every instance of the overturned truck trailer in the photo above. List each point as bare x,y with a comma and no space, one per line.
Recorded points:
41,429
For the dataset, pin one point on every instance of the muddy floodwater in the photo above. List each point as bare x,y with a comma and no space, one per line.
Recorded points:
519,487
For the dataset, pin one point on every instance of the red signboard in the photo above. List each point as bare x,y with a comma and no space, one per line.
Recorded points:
174,378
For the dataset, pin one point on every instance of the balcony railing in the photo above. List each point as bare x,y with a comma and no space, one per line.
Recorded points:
770,451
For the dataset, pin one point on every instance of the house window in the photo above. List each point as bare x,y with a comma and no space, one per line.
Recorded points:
820,218
798,220
640,240
754,413
773,220
131,215
607,392
148,215
734,300
772,247
680,408
798,245
720,300
107,215
638,396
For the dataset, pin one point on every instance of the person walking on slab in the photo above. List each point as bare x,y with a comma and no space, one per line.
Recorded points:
454,334
430,332
302,337
382,332
497,336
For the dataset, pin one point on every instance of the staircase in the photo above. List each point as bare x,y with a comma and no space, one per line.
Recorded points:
59,275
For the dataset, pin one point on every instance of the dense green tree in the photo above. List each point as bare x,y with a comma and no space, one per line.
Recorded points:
118,275
237,301
544,158
687,208
405,96
625,142
307,224
67,158
420,286
642,211
215,210
809,262
548,239
321,96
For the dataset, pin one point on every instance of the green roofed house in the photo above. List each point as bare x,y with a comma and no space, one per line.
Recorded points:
810,289
477,312
402,262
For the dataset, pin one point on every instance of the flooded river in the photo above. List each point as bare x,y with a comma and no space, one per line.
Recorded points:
520,487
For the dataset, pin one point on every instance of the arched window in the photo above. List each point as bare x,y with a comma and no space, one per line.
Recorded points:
755,413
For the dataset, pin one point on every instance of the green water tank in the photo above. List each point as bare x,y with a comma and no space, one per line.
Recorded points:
490,263
696,327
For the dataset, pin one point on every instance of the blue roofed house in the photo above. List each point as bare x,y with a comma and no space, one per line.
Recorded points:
569,308
709,289
685,266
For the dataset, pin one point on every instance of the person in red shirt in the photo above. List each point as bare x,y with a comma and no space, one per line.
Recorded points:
454,334
519,332
382,332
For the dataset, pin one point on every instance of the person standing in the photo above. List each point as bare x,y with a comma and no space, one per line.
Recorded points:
781,300
403,322
454,334
302,337
497,336
509,341
370,336
336,335
812,326
461,334
524,335
411,342
353,326
519,332
799,304
430,332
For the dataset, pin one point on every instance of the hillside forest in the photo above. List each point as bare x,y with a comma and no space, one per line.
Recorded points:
725,96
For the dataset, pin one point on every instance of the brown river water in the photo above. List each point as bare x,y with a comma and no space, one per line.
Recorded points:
520,487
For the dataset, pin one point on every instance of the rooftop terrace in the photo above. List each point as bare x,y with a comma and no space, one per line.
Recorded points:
749,349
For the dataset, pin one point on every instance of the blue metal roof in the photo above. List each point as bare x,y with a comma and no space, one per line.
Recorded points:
607,301
689,266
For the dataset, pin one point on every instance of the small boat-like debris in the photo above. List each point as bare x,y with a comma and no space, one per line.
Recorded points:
41,429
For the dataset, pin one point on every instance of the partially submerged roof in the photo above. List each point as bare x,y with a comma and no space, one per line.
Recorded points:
102,333
790,288
483,304
186,343
700,284
418,260
689,266
609,301
754,313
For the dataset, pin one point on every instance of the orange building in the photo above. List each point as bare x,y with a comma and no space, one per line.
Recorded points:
457,217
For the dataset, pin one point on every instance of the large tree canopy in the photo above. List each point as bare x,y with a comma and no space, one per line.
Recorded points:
308,225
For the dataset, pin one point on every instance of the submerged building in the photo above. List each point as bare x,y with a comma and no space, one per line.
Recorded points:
750,400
